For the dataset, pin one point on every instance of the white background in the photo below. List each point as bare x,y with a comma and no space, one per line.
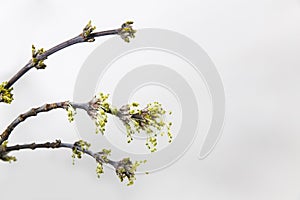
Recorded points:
255,46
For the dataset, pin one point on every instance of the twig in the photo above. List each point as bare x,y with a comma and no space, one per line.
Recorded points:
55,145
124,168
148,119
46,54
126,31
34,111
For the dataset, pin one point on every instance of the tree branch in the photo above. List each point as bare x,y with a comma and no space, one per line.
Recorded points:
34,111
150,119
46,54
123,168
40,55
55,145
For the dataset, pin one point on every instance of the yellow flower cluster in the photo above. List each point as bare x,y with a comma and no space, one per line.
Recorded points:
71,113
151,120
101,117
88,29
78,149
39,64
5,94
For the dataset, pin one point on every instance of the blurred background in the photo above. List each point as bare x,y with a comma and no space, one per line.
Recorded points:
253,44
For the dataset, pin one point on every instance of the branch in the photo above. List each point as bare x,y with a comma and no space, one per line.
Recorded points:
33,112
150,119
67,105
40,55
46,54
54,145
89,107
123,168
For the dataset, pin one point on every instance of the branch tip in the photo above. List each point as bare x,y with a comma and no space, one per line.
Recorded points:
126,31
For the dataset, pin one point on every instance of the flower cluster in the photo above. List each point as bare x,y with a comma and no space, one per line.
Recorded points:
78,148
98,109
71,112
101,157
88,29
5,93
99,169
151,120
126,32
39,64
126,169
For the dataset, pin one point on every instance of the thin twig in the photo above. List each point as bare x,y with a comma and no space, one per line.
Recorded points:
34,111
78,39
124,168
55,145
38,56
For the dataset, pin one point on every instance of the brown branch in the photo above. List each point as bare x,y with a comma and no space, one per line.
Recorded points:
55,145
34,111
38,56
78,39
97,108
90,107
124,168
